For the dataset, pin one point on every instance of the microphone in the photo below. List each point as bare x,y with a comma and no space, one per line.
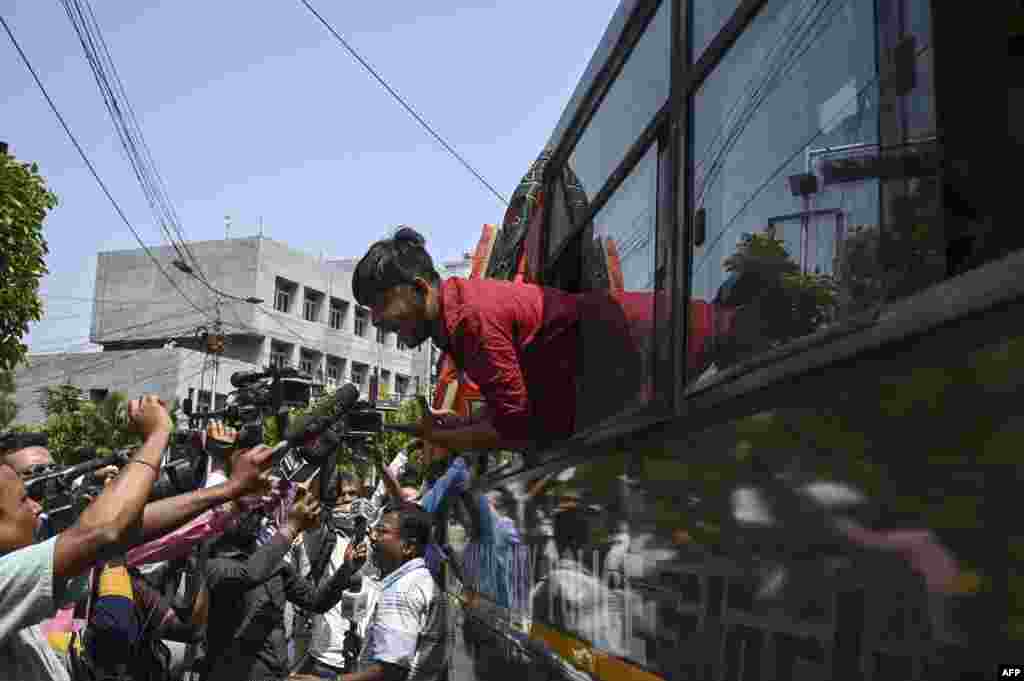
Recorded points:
240,379
344,399
407,428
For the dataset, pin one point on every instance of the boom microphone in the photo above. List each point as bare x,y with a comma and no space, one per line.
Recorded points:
240,379
344,399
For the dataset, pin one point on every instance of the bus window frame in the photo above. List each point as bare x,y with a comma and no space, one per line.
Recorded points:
675,120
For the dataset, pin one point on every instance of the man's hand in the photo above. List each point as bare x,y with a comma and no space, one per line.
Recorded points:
355,555
446,418
149,416
216,430
248,470
106,474
304,513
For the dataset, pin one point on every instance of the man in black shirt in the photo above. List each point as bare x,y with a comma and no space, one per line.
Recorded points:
248,587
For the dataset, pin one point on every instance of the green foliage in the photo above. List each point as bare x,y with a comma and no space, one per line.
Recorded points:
8,407
909,255
24,203
74,424
789,305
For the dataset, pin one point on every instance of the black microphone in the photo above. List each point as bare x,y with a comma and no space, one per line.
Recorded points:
240,379
66,475
344,399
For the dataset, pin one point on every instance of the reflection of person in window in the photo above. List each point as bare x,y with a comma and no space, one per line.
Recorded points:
571,598
516,341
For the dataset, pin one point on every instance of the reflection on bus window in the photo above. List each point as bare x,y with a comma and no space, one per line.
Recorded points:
814,173
617,310
630,104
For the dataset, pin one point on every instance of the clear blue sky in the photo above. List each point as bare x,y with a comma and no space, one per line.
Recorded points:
254,110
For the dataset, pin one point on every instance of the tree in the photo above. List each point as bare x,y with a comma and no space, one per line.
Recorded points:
8,407
76,425
777,302
24,202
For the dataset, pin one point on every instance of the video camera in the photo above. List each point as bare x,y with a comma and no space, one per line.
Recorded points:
64,491
258,394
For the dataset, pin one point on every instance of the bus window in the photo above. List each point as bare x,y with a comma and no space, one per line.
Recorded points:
637,94
814,173
709,16
617,316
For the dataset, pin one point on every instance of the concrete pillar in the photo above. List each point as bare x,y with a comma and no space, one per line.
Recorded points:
263,357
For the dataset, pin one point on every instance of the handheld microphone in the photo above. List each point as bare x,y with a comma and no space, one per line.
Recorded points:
344,399
240,379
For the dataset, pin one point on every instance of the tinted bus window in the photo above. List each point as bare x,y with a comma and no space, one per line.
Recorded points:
637,94
816,190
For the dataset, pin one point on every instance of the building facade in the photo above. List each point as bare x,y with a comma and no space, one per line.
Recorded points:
150,329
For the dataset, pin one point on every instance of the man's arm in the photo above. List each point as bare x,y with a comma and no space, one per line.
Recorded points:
379,671
160,517
320,599
452,482
490,359
258,568
389,480
480,435
107,525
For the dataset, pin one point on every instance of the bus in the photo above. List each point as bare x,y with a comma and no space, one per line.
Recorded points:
800,463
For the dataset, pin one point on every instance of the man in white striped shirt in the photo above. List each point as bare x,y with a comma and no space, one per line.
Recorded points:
406,637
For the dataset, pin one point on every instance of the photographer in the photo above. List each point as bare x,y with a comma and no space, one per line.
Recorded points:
33,577
332,631
248,587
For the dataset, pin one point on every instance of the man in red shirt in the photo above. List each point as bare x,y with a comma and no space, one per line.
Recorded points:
518,342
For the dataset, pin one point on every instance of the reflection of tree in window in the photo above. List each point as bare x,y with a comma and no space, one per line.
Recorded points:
809,70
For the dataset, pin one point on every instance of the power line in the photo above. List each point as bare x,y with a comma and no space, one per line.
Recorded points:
112,301
89,164
126,124
401,101
176,315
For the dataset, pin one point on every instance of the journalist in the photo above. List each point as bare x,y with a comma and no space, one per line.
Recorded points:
248,586
34,576
335,632
406,635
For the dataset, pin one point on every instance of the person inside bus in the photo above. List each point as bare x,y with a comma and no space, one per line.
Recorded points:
516,341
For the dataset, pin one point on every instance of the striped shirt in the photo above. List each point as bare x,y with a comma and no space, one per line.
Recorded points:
408,626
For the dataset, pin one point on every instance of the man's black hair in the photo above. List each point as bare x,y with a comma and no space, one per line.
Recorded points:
414,524
344,477
392,262
410,477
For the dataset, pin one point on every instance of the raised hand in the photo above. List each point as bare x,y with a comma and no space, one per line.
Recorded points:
149,415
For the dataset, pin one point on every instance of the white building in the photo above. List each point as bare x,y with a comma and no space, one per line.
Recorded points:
148,330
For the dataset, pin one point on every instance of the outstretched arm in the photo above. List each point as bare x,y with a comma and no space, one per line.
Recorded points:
111,523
